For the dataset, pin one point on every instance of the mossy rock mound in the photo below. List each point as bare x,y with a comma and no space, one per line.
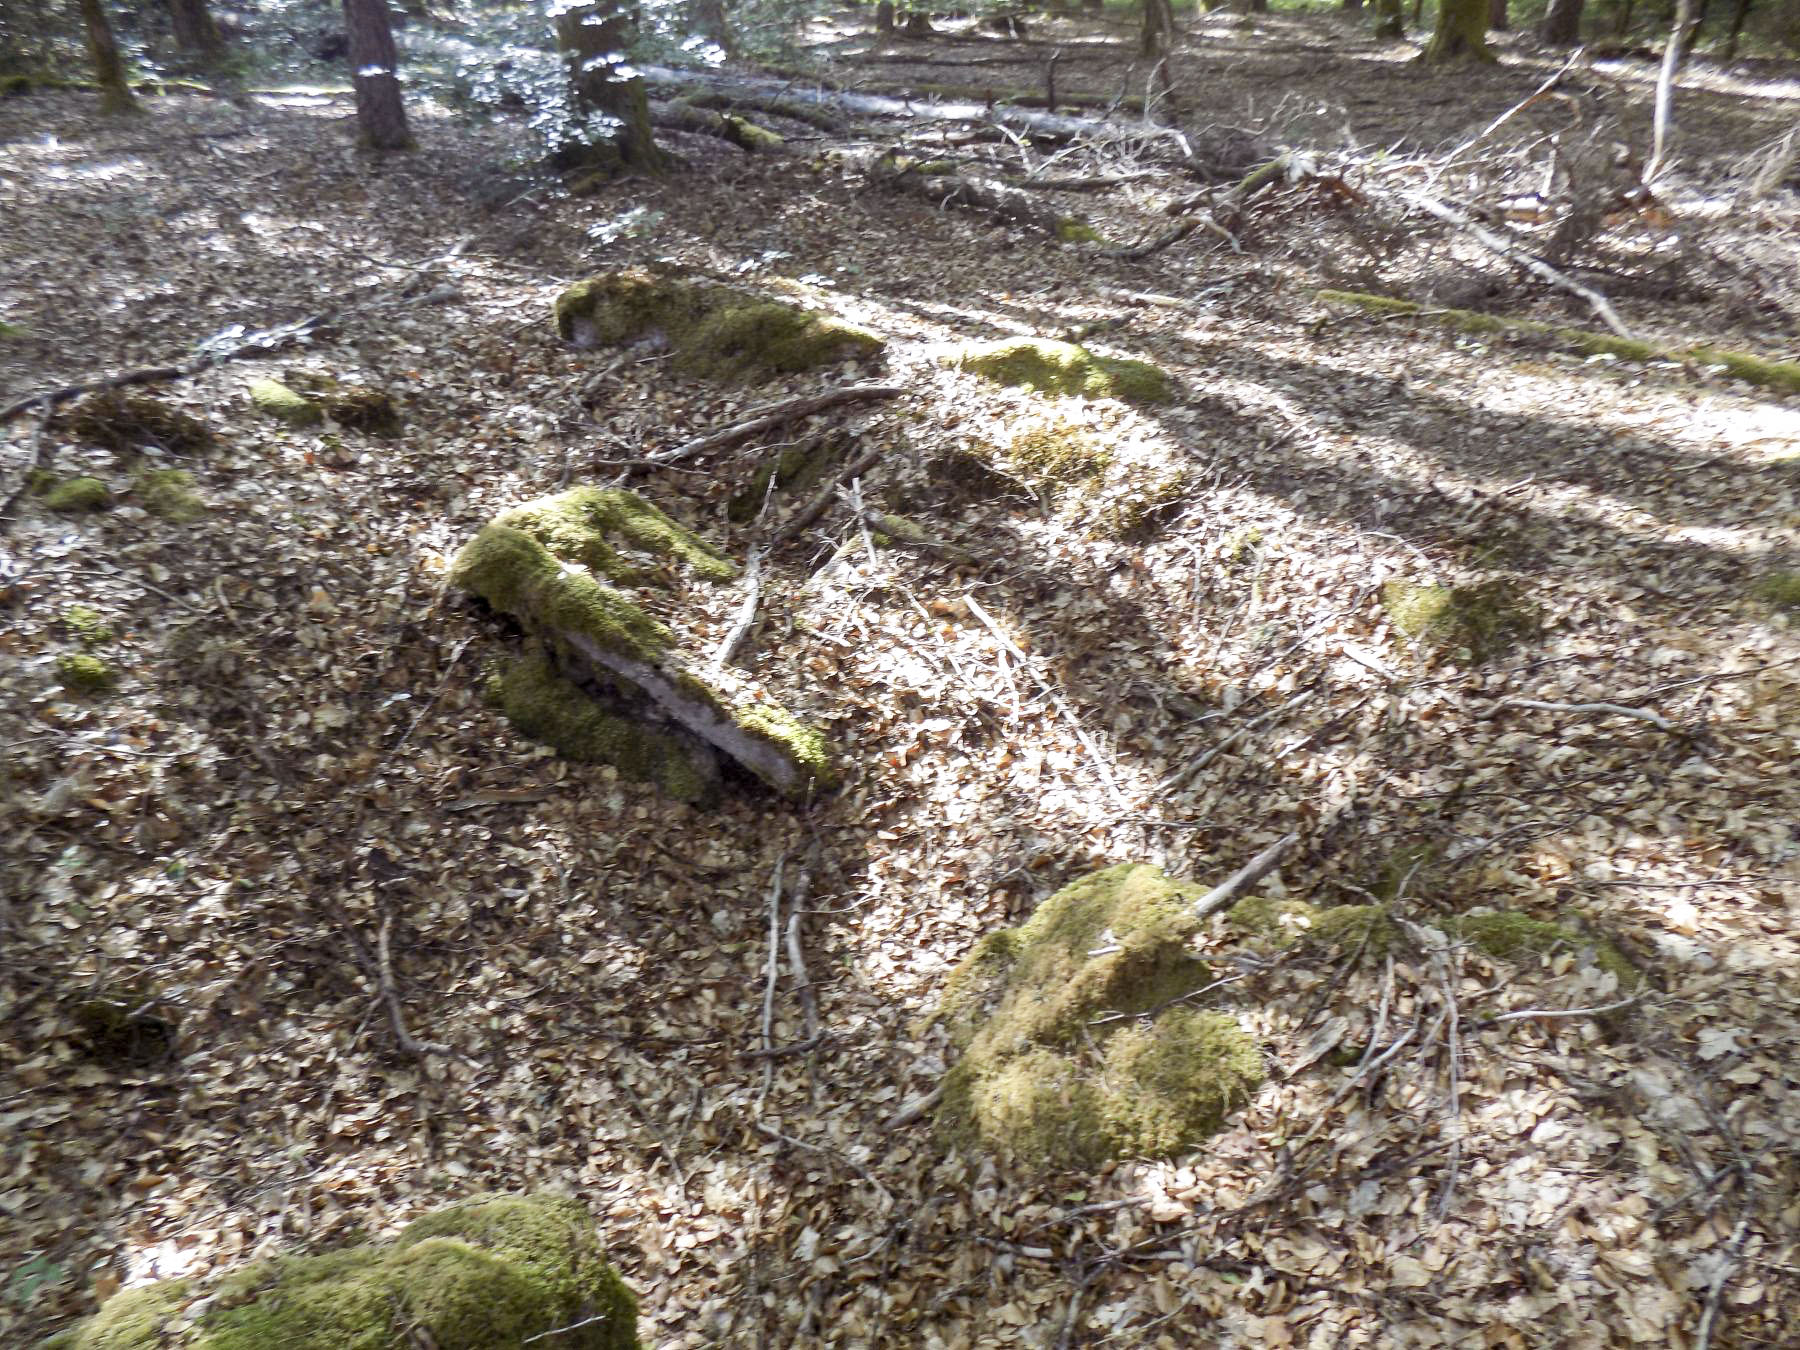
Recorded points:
77,496
713,331
168,494
275,399
85,673
359,407
124,421
1481,621
1050,1071
1518,938
1052,367
556,567
489,1274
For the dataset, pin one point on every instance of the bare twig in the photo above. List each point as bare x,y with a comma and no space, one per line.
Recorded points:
746,615
1550,1014
1616,709
1244,878
1194,766
771,970
803,990
771,416
1687,14
823,498
917,1107
390,995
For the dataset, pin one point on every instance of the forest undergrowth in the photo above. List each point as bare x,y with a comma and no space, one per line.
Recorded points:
375,950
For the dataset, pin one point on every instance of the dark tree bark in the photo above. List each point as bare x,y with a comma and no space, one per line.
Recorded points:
1158,32
1497,15
1390,19
109,70
708,20
375,74
591,38
1562,23
1739,13
1351,6
1460,35
918,24
194,29
884,17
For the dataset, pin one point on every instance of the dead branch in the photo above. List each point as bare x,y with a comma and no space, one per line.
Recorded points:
917,1107
1681,32
746,615
771,970
901,529
1617,710
771,416
1551,1014
390,995
827,492
803,989
746,135
1244,878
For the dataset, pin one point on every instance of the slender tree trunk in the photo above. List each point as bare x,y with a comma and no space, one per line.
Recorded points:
918,24
1739,14
884,17
194,28
1562,23
1687,17
593,39
1158,32
708,20
1497,15
1461,33
109,70
375,74
1352,6
1390,19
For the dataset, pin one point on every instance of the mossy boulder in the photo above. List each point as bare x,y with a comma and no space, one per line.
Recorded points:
552,709
1286,923
125,421
277,400
359,407
1074,1050
713,331
1480,622
168,494
1052,367
488,1274
85,673
76,496
538,564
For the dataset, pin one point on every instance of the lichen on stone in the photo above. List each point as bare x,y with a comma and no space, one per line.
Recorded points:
1052,367
489,1274
168,494
276,400
85,673
1484,620
713,331
1075,1051
75,496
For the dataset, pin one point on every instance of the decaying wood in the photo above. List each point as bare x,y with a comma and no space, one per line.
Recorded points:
772,416
771,971
1003,202
746,615
682,115
1227,891
903,530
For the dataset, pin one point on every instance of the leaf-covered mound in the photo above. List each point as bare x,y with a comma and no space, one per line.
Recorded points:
491,1274
1052,367
1074,1051
714,331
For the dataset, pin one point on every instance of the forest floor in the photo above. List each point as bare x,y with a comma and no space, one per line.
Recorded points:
295,770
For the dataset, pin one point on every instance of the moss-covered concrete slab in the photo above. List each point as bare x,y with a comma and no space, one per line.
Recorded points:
1074,1051
490,1274
713,331
1052,367
534,563
1483,621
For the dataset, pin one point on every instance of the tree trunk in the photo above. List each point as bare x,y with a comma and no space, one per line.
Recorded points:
1562,23
109,70
593,39
1497,15
1390,18
708,19
375,74
1740,12
1158,33
884,18
1461,33
194,28
1687,18
1351,6
918,24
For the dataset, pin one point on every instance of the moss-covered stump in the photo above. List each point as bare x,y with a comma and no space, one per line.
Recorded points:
713,331
126,421
274,399
1051,1073
538,563
77,496
1481,621
85,673
168,494
493,1274
1052,367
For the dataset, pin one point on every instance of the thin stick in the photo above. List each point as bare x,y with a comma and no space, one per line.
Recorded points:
770,971
1181,776
1617,709
1515,253
390,995
1674,54
772,415
917,1107
436,694
1579,54
746,615
823,498
1244,878
803,990
1548,1014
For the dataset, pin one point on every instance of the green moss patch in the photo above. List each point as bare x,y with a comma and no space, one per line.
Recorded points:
126,421
1517,937
1059,454
1044,1078
168,494
548,707
86,625
122,1030
1483,621
85,673
492,1274
795,469
275,399
1052,367
1782,590
713,331
359,407
1285,923
75,496
587,525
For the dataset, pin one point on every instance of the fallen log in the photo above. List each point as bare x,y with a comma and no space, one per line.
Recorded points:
682,115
